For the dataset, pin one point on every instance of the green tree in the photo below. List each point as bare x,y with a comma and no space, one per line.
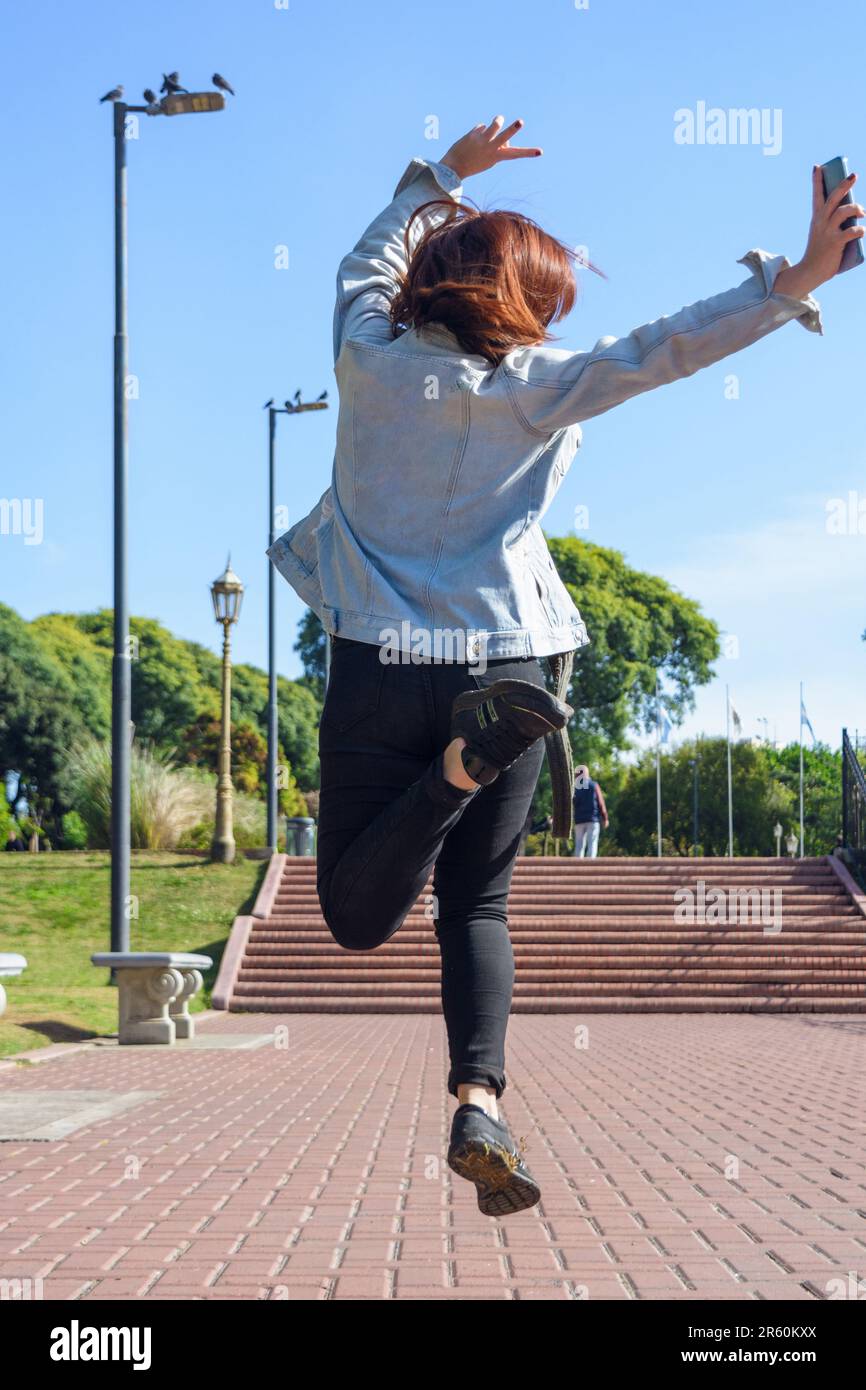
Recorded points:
55,694
298,715
87,666
40,711
639,628
759,800
310,646
822,793
168,691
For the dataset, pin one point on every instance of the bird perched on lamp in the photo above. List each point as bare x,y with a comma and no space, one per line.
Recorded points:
222,84
150,97
115,94
171,84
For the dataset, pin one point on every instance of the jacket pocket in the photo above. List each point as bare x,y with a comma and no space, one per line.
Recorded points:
355,685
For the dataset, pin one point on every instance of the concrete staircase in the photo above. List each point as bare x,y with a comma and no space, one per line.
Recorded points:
603,936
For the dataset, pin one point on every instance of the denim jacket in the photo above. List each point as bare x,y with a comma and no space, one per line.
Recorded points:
445,466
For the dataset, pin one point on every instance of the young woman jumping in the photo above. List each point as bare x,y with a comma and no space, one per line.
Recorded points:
426,563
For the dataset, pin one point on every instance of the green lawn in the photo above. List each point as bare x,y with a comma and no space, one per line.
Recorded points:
54,909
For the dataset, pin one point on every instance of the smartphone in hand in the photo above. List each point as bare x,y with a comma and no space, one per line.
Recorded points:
833,172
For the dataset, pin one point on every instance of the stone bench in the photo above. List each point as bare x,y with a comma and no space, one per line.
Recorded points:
10,964
154,990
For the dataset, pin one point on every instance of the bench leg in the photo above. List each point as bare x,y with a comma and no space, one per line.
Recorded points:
179,1007
143,997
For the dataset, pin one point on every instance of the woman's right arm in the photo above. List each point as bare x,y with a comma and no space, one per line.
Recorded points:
370,276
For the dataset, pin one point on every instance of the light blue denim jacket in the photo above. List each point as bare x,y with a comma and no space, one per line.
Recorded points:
444,466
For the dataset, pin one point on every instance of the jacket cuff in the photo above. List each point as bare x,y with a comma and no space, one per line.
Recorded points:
443,174
807,311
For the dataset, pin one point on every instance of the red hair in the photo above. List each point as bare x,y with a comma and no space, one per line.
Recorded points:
496,279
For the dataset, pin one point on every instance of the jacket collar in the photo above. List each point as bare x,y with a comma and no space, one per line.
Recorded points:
434,337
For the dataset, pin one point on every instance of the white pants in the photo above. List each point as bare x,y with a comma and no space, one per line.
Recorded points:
586,839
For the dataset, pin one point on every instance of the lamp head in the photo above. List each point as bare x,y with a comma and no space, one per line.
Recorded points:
227,593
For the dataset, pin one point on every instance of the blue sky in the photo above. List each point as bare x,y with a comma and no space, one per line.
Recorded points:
727,498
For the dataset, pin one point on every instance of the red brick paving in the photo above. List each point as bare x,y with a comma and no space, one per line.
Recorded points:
680,1157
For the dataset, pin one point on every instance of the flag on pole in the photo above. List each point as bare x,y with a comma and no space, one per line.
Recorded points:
665,725
805,721
736,722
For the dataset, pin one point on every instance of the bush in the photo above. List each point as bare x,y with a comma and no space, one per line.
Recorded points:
74,831
7,820
170,807
163,801
248,816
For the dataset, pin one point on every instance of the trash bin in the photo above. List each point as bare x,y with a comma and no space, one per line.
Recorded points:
300,835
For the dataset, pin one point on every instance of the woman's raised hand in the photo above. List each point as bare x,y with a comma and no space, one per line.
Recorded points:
485,145
827,239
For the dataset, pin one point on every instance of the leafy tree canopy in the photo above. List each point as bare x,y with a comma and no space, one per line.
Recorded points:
640,628
55,691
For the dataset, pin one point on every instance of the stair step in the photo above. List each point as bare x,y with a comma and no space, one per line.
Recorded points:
595,922
415,989
566,1004
589,936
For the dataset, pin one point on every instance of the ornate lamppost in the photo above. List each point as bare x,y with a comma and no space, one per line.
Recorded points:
227,593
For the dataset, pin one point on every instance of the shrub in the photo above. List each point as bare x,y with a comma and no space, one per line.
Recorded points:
170,807
7,820
74,831
163,801
248,816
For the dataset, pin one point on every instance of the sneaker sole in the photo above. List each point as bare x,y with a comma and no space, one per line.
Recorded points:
502,1190
556,714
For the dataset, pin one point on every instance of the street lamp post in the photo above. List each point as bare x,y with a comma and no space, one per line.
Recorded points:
298,408
227,593
121,669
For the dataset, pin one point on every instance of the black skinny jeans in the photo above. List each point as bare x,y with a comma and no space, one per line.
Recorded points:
387,815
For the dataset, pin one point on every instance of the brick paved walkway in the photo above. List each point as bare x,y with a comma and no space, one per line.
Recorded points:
680,1158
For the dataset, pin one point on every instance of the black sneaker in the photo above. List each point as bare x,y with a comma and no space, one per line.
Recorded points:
500,723
482,1151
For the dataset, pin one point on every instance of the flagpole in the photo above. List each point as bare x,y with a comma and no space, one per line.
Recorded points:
658,772
801,769
730,787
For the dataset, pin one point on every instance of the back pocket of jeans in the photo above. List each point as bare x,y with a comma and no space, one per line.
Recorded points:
355,685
